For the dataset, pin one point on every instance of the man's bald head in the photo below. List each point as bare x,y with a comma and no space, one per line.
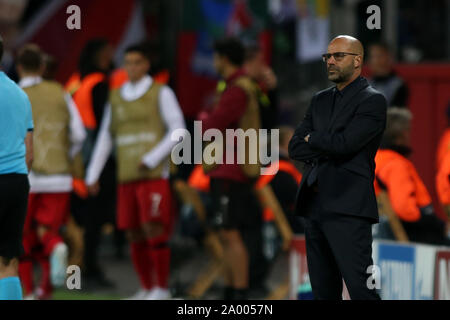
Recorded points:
350,43
345,59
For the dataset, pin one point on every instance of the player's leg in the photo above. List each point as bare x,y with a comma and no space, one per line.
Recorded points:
30,242
128,220
141,262
50,217
236,257
154,198
220,207
45,289
157,235
13,207
10,288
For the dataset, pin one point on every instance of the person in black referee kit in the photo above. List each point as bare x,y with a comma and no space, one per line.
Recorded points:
16,126
337,140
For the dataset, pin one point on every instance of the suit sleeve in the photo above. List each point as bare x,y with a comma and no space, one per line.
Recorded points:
368,122
298,148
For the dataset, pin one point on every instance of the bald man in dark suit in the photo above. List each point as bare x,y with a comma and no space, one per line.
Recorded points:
338,140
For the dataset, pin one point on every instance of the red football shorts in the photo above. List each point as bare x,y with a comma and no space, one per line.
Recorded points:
48,209
143,201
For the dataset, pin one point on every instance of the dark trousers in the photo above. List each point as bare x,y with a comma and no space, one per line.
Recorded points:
92,213
338,247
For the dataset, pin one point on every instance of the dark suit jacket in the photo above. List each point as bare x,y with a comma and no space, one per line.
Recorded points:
343,146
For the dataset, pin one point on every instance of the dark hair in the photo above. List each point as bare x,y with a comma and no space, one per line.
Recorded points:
88,58
251,51
51,66
30,58
232,49
140,48
1,48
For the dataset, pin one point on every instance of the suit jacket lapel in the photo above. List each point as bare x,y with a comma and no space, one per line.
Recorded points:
362,84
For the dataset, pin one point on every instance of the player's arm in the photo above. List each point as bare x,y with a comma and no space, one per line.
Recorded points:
173,119
102,150
77,131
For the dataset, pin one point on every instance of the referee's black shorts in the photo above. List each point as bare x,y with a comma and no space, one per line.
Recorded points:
234,205
14,189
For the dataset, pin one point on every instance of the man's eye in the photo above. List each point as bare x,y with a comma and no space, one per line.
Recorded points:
339,55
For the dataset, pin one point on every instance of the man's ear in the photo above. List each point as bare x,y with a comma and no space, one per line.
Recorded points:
358,62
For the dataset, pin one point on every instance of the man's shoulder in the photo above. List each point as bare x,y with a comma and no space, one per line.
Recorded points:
324,92
17,93
372,91
373,95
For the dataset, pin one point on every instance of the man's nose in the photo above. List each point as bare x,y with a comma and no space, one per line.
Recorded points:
331,62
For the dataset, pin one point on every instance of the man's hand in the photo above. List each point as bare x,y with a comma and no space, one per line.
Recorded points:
94,189
307,138
269,78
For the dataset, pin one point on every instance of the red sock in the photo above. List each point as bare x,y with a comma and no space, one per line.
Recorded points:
161,260
30,240
26,275
49,241
142,263
45,285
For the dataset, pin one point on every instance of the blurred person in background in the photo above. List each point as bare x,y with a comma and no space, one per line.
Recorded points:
11,26
235,206
259,71
16,157
285,182
58,136
139,121
384,78
50,67
158,72
444,141
93,211
443,183
396,174
443,167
